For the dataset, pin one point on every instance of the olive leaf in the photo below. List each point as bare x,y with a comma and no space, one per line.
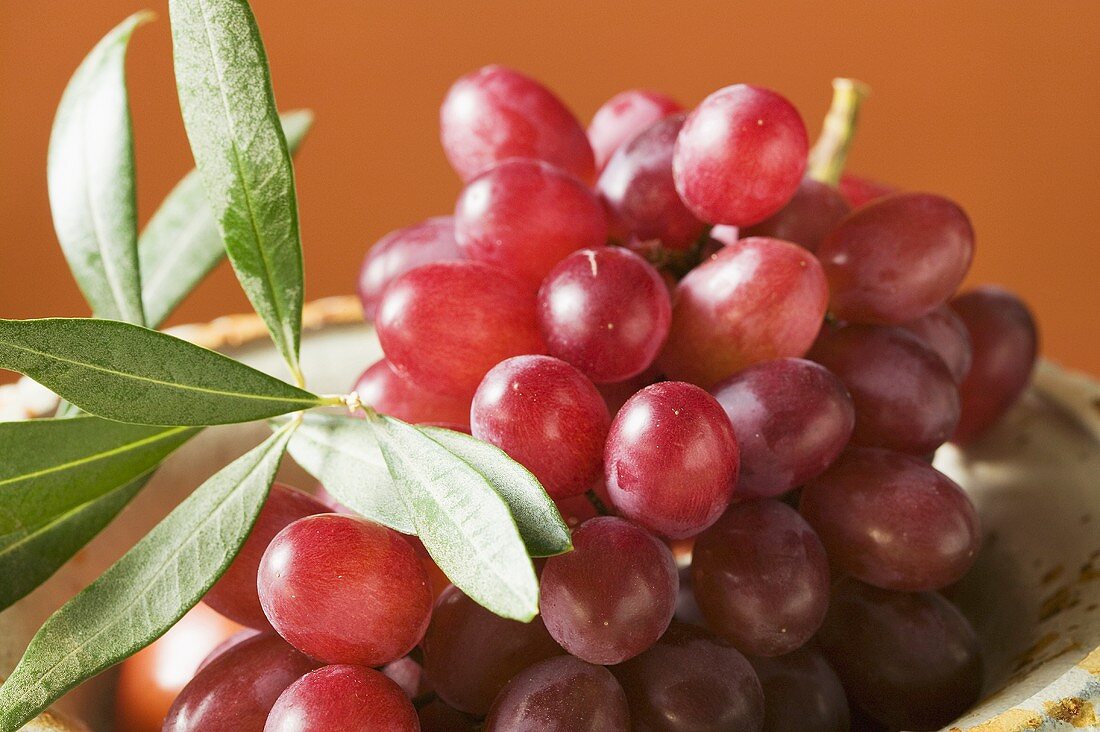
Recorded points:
128,373
241,154
146,591
90,176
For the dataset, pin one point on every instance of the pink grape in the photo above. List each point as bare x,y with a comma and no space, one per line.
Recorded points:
612,596
792,417
606,311
432,240
896,259
671,459
761,578
807,218
638,187
345,590
496,113
623,116
547,416
346,698
525,216
562,694
754,301
801,693
448,343
892,520
1005,345
945,333
858,190
390,393
234,595
740,156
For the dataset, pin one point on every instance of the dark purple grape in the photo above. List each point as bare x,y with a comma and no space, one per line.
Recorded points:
562,694
622,117
945,333
345,698
399,251
807,218
801,693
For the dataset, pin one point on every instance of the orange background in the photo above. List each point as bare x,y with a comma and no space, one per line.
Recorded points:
994,104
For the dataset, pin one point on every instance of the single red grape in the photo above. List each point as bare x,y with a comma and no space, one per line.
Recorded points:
390,393
892,520
671,459
792,417
859,191
606,311
432,240
904,394
345,590
896,259
909,660
445,325
496,113
234,595
801,693
236,639
1005,344
612,596
756,300
945,333
562,694
346,698
740,156
547,416
525,216
623,116
813,212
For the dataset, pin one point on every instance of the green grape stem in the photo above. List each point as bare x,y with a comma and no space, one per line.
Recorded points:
830,152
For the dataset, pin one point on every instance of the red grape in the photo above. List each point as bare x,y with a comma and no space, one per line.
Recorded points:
813,212
892,520
612,596
606,311
236,690
740,155
470,653
945,333
792,418
547,416
691,682
1005,344
801,693
896,259
234,640
756,300
445,325
859,191
391,393
525,216
671,459
234,595
761,578
346,698
432,240
496,113
562,694
345,590
904,395
622,117
910,660
638,186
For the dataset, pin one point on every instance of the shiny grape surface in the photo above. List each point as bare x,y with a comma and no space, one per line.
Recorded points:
671,459
807,218
606,311
612,596
432,240
740,156
945,333
448,344
892,520
525,216
239,637
911,661
801,693
234,595
562,694
346,698
388,392
761,578
754,301
792,417
547,416
497,113
623,116
345,590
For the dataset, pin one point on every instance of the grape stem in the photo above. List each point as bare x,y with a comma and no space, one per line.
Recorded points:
827,158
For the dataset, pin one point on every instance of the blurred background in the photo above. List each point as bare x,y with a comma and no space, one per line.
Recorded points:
993,104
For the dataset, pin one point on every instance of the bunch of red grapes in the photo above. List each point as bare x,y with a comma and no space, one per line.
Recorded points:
729,375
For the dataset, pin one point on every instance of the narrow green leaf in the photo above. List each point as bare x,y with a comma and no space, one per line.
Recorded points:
241,153
145,592
540,524
181,243
90,173
132,374
464,524
342,453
